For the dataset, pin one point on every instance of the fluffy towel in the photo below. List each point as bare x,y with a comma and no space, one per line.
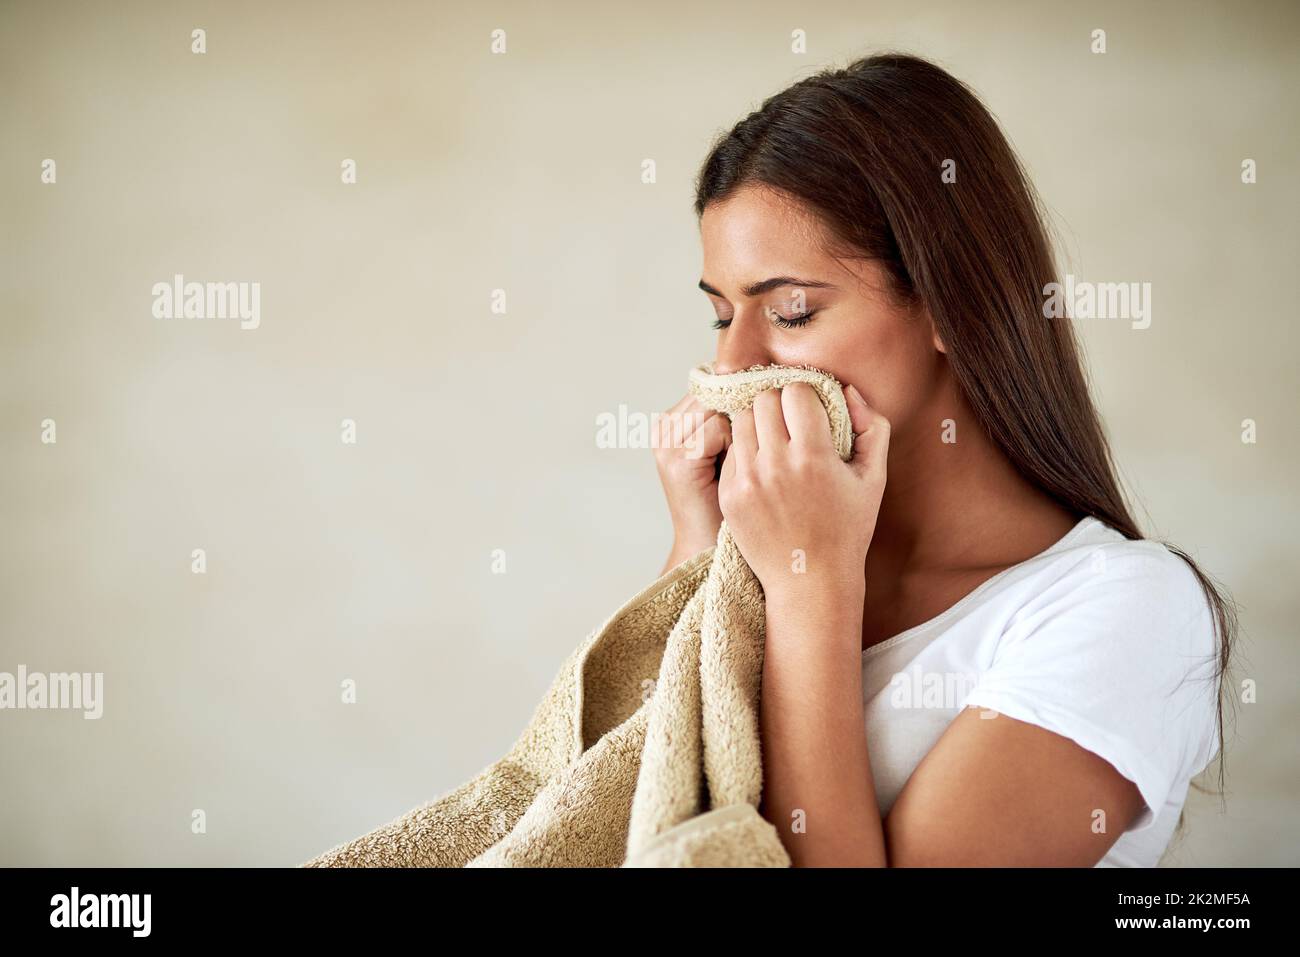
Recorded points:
645,750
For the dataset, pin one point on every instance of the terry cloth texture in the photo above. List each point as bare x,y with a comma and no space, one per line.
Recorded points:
645,750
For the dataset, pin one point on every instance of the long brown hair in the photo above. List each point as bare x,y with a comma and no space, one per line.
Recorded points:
864,148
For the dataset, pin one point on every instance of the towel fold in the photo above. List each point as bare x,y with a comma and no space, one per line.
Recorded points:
645,751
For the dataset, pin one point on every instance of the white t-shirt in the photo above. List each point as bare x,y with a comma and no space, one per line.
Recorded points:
1107,641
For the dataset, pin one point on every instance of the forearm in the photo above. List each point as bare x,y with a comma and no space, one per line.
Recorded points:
818,790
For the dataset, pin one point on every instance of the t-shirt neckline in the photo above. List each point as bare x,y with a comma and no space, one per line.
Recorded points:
979,589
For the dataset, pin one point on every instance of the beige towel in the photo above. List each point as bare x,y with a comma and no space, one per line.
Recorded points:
645,750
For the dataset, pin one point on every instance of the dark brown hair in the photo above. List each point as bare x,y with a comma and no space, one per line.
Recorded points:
863,148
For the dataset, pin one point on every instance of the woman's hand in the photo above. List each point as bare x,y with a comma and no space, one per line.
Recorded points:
800,514
688,440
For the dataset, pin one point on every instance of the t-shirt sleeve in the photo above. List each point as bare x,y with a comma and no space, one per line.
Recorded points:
1119,655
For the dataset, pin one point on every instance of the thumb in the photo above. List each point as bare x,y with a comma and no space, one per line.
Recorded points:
871,434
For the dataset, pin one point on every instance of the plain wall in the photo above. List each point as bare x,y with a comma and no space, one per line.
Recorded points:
476,431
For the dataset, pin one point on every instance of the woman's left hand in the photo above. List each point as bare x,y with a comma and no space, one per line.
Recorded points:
800,514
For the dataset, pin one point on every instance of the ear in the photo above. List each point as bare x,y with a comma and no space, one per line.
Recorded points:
934,334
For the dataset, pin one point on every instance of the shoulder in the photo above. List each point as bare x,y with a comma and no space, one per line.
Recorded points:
1117,650
1131,584
1131,603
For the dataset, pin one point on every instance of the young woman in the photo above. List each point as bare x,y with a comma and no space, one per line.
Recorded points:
1038,684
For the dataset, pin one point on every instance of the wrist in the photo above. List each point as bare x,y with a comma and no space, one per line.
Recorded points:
690,542
836,588
681,551
821,613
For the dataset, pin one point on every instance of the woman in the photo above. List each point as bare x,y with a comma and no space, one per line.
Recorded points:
1038,684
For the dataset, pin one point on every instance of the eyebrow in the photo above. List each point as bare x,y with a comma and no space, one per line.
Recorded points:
766,285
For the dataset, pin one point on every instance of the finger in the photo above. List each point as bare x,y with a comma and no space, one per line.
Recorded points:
709,439
860,414
744,442
805,417
769,422
871,446
682,421
727,470
693,417
681,403
667,423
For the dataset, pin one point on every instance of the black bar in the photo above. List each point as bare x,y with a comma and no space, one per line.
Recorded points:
440,907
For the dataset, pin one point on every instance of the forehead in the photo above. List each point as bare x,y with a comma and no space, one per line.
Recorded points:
756,228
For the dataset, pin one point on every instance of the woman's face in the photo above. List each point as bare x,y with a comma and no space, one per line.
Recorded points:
764,264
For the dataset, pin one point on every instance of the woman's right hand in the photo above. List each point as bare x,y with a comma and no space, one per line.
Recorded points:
687,442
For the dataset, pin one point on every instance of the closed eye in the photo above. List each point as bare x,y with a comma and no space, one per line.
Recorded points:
776,318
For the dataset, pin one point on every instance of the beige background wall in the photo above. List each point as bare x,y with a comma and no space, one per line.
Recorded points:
521,171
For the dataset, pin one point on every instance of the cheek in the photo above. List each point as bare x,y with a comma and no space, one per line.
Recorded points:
893,370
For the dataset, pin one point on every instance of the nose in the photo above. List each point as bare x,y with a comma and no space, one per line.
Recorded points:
740,348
